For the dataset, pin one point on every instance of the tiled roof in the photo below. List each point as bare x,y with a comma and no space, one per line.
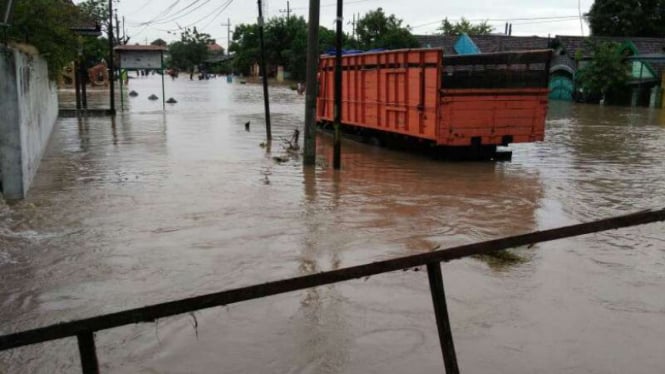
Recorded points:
571,44
486,43
437,41
140,48
214,47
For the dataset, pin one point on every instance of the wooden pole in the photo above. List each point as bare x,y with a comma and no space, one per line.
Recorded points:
264,74
77,84
161,56
88,353
442,319
337,141
122,99
84,88
311,81
111,65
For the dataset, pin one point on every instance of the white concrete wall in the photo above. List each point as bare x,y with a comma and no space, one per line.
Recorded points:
28,111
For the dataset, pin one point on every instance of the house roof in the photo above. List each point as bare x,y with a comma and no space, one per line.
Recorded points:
140,48
486,43
647,47
571,44
214,47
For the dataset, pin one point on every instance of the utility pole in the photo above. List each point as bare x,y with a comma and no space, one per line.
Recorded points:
111,64
117,29
264,74
311,82
337,141
287,11
228,34
579,9
353,27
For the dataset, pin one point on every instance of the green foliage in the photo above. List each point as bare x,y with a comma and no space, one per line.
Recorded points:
464,26
159,42
245,47
376,30
190,51
45,24
96,11
628,18
606,74
94,50
285,41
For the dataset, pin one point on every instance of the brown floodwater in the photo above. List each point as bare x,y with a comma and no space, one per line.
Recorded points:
154,206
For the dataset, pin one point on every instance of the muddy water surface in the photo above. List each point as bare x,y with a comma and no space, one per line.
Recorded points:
156,206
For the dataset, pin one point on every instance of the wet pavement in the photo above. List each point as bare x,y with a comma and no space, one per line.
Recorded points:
155,206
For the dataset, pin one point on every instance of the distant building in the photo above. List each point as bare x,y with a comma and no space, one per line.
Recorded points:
647,58
215,49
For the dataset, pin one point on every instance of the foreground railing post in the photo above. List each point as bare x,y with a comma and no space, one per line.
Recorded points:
442,320
88,353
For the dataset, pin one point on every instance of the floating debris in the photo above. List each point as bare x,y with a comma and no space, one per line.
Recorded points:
153,97
133,93
247,126
171,100
280,159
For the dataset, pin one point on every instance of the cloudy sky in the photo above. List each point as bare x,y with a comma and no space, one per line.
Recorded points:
152,19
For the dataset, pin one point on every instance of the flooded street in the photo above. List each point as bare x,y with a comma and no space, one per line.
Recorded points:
153,207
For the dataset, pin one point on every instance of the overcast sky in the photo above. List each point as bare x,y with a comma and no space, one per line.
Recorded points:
528,17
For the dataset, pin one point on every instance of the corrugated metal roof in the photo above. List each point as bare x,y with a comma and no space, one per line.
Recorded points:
143,48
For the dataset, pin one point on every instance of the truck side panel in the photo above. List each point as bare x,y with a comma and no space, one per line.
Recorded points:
393,91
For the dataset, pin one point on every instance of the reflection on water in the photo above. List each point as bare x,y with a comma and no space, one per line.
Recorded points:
155,206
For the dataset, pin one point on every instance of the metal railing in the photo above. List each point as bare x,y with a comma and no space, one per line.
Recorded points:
85,329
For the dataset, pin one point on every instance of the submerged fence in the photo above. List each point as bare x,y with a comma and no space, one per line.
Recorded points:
85,329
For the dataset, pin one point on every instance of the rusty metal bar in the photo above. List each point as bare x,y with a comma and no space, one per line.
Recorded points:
88,353
153,312
442,319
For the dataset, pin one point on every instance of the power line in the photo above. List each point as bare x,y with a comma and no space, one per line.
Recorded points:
178,16
552,21
218,14
141,7
496,20
333,4
163,13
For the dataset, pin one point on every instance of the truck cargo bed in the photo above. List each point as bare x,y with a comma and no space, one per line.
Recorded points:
444,101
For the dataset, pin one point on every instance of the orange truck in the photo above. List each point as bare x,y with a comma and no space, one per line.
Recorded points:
419,97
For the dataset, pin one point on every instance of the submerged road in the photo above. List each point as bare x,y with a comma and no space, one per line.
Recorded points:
157,206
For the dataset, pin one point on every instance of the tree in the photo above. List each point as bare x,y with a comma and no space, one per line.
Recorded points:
606,74
191,50
159,42
285,43
464,26
376,30
628,18
94,12
245,47
45,24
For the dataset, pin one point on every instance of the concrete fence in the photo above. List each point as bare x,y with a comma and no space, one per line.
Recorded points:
28,111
